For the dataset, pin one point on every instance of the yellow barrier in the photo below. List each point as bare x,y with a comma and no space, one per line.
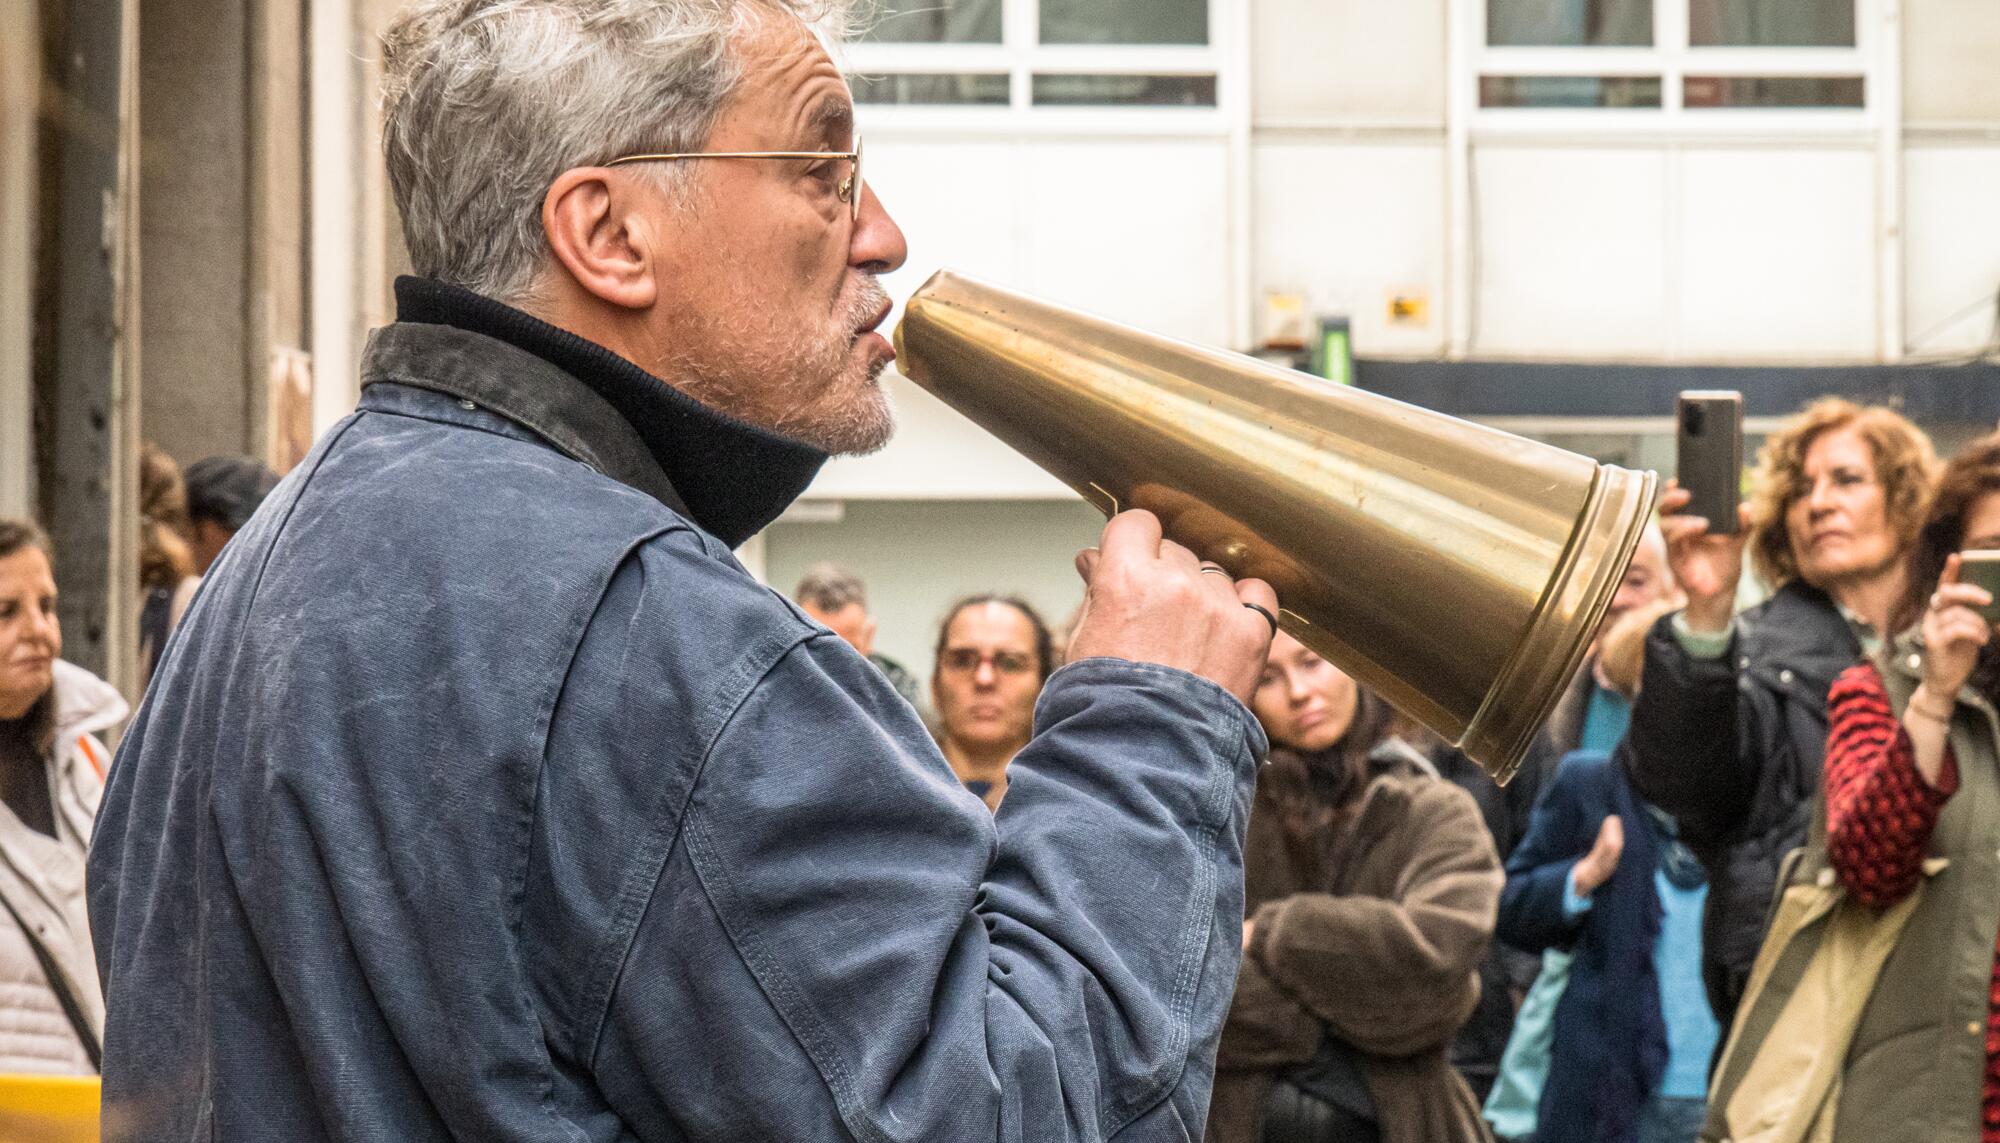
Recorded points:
48,1109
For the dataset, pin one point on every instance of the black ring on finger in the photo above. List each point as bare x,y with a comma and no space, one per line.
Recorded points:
1268,617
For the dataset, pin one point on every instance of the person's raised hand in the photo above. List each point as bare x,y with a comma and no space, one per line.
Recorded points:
1953,632
1706,566
1595,868
1148,600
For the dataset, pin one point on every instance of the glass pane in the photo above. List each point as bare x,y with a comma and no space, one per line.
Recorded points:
935,22
930,88
1569,23
1126,90
1124,21
1772,91
1771,23
1569,91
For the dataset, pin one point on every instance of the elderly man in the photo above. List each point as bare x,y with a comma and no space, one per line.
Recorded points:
488,798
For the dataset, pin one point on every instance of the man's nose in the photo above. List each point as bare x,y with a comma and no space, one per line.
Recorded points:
984,675
878,246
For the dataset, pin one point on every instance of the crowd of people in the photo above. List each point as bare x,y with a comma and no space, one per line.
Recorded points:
1431,956
1837,739
1833,748
432,825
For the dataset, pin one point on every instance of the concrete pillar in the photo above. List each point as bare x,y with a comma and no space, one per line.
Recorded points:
20,93
87,450
223,226
193,226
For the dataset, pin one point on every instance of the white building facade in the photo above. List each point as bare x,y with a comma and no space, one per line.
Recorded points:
1670,183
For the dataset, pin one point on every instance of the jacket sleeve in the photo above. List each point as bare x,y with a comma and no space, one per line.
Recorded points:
1268,1028
1879,811
842,942
1531,906
1684,751
1394,977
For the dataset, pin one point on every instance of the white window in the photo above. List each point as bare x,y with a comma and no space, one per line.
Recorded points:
1685,60
1017,56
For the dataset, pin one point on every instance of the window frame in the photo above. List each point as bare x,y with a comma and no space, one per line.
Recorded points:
1673,58
1021,56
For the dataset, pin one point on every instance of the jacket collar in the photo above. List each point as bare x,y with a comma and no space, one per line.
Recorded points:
85,704
729,477
1800,628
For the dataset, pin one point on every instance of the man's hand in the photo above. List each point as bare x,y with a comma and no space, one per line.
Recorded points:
1147,599
1707,567
1596,867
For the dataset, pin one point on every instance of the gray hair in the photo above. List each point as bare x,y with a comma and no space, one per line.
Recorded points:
830,587
486,102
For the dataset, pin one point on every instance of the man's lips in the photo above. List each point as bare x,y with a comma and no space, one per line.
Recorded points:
881,315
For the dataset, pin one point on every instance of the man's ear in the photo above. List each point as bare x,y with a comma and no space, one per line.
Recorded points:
602,237
868,636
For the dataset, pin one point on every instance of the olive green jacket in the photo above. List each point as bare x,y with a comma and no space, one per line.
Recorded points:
1915,1066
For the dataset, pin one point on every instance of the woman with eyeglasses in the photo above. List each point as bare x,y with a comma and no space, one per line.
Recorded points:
993,655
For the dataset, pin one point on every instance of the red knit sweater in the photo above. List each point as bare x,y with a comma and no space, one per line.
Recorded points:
1879,817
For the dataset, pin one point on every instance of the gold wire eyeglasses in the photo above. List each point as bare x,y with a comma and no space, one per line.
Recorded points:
847,190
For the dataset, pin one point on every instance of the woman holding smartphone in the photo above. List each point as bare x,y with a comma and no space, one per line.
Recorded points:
1729,733
1913,796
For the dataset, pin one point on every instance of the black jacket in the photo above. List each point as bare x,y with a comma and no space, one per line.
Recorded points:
1733,748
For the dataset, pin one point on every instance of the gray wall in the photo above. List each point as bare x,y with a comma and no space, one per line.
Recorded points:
222,217
194,223
920,556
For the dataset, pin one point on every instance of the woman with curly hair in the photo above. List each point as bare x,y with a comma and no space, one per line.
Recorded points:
1729,734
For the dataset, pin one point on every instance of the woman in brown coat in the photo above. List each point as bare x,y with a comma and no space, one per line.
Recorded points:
1371,888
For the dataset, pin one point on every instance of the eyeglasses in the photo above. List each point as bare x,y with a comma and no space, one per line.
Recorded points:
847,190
965,660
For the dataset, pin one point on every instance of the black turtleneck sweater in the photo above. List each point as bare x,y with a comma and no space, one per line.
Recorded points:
734,477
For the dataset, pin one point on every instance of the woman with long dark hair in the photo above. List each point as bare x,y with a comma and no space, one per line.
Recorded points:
51,776
1370,891
1913,802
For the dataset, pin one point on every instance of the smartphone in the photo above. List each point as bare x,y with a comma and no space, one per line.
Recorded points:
1710,466
1982,568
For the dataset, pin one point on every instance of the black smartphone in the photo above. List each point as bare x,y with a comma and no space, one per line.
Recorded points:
1711,455
1982,568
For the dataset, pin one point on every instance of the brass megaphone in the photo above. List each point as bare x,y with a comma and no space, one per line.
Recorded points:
1458,571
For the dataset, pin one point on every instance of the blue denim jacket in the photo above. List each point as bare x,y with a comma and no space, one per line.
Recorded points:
482,796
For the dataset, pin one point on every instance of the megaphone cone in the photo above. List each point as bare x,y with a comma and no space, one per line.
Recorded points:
1458,571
